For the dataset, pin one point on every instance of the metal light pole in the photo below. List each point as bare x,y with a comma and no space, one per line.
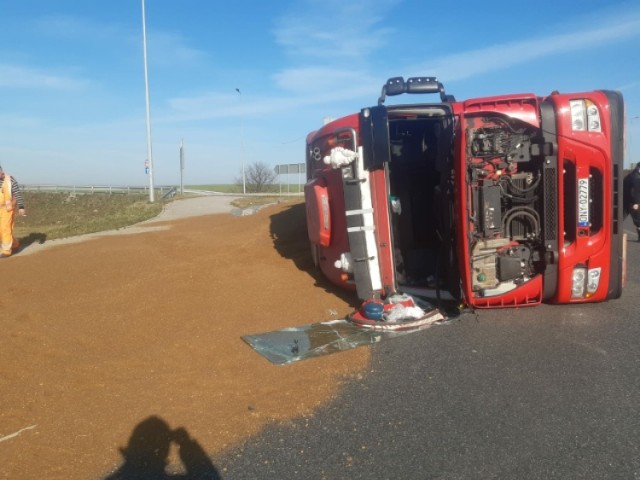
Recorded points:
181,166
630,135
244,185
146,91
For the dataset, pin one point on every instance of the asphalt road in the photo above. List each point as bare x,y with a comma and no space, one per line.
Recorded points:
551,392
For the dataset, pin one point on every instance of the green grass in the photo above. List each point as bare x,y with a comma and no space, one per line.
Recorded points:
52,215
276,188
272,195
230,188
246,202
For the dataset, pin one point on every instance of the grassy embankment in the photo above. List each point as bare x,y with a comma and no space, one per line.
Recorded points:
52,215
275,189
274,193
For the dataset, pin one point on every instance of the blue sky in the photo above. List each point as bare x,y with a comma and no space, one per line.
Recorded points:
72,105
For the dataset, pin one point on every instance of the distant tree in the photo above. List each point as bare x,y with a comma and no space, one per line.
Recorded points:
258,177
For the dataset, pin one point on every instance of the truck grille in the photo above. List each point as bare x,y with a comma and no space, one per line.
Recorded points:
551,206
615,201
597,199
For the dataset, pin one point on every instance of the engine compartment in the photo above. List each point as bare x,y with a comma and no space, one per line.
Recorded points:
505,208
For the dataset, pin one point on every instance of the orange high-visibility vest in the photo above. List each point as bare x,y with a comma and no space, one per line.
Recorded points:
5,193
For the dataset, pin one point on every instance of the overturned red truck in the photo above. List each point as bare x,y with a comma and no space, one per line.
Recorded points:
503,201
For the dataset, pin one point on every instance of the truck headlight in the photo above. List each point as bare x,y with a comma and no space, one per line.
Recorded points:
593,279
585,116
577,282
584,283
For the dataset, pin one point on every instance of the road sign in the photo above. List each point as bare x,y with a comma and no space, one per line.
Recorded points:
290,168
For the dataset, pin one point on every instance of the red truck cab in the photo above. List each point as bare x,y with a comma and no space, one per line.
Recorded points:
503,201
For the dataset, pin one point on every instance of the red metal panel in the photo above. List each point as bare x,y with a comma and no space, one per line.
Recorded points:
318,212
585,151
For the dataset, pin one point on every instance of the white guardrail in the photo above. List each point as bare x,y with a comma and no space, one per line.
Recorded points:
165,191
96,189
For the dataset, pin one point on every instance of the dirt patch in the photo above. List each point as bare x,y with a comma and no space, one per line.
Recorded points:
99,336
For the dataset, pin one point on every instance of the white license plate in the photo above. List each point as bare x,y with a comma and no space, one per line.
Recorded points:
583,202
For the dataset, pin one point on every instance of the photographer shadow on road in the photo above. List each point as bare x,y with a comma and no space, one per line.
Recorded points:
147,454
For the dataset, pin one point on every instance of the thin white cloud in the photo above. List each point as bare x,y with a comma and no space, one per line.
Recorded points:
171,49
75,27
317,78
17,76
609,29
8,122
165,48
207,105
629,86
328,84
496,57
216,106
334,28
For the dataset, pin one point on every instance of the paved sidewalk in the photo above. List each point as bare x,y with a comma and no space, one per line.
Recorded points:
195,207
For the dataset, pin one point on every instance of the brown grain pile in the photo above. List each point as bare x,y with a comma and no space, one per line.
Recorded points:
100,335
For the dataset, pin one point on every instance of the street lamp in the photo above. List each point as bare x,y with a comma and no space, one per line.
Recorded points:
244,185
146,91
181,167
630,134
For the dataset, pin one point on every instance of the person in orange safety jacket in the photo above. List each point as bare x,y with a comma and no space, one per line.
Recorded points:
10,201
